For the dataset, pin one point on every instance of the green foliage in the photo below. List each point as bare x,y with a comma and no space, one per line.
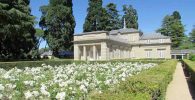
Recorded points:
96,18
131,16
186,43
58,22
148,85
190,65
22,64
113,17
192,57
192,36
173,27
17,34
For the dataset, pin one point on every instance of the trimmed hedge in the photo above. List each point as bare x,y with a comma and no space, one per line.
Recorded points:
148,85
22,64
190,68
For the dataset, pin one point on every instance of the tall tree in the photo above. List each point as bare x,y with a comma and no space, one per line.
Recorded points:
131,16
58,22
96,18
113,17
173,27
192,35
17,34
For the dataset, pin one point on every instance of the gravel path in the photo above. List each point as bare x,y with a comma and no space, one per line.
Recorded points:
178,89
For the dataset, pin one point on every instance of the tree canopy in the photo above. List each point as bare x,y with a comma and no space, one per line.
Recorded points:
173,27
58,24
17,34
113,17
96,18
131,16
192,35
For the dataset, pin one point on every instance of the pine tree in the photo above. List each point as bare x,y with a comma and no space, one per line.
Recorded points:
58,22
17,34
192,35
131,16
96,18
113,17
173,27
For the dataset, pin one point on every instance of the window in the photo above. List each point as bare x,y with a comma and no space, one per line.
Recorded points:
161,53
148,53
148,41
161,40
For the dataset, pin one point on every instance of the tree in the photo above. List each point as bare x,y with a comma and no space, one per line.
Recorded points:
186,43
113,17
131,16
40,36
96,18
173,27
58,24
17,34
192,35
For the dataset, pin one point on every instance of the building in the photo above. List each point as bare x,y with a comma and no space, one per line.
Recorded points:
181,54
47,54
120,44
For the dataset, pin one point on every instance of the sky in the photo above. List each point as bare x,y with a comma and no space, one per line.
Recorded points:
150,12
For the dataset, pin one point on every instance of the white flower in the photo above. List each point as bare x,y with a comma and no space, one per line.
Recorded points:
35,93
83,88
2,87
1,96
43,90
61,96
10,86
28,94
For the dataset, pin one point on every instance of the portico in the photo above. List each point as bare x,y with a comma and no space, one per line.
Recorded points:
120,44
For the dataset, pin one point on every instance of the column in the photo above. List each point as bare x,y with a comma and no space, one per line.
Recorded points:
103,51
84,53
182,56
76,52
175,56
94,53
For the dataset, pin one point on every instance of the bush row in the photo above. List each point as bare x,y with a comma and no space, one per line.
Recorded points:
148,85
189,67
22,64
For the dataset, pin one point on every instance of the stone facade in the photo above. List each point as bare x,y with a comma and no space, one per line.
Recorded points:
120,44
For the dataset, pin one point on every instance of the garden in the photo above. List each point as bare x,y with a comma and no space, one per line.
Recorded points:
85,80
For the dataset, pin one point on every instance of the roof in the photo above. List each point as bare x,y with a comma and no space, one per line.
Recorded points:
124,30
48,53
93,32
184,51
153,36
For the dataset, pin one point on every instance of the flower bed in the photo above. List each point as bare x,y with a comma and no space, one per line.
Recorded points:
148,85
72,81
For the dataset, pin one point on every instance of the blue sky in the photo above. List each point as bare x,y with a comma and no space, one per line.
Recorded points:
150,12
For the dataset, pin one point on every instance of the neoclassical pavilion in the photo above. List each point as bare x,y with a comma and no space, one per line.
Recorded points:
120,44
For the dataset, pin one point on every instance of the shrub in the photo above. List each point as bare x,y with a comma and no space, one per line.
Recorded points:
148,85
192,57
190,68
22,64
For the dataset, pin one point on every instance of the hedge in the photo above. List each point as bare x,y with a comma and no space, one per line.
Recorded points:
148,85
190,68
22,64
